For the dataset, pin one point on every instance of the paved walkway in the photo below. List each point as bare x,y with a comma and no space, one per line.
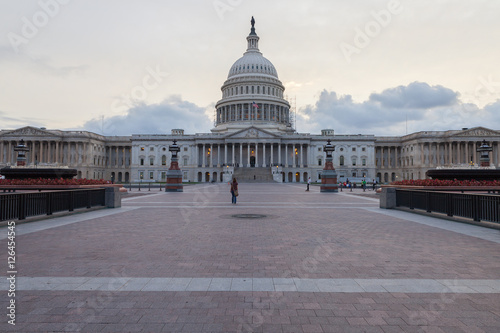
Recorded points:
280,260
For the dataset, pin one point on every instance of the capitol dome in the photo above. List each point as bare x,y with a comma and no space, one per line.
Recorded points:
252,95
252,63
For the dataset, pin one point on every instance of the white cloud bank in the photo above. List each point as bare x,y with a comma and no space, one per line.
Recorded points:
160,118
396,111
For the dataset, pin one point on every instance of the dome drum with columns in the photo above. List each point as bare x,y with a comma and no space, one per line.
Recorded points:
252,94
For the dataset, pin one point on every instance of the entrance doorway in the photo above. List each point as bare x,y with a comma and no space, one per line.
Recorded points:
207,177
252,161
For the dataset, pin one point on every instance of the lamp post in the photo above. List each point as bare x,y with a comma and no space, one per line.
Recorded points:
21,149
484,150
329,175
174,174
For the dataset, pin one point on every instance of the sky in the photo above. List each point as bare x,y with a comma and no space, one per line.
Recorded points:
122,67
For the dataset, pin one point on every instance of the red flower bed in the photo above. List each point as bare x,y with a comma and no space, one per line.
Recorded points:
437,182
59,181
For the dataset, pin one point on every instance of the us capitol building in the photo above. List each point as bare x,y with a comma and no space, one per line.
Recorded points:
253,140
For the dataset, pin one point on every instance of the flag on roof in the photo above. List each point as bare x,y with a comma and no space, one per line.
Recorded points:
255,105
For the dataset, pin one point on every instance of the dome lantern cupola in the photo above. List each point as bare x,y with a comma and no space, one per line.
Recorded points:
253,39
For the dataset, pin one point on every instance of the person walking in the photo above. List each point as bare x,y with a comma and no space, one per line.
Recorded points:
308,183
234,191
363,183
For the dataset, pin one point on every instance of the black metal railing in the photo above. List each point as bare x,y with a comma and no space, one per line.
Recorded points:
479,207
22,205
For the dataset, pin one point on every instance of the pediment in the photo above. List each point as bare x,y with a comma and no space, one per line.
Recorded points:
28,131
479,131
252,133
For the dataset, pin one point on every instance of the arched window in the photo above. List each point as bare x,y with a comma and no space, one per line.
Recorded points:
164,160
341,160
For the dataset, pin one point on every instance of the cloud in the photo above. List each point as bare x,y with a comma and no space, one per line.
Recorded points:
17,122
396,111
418,95
160,118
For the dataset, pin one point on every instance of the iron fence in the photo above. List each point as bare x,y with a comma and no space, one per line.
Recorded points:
478,207
22,205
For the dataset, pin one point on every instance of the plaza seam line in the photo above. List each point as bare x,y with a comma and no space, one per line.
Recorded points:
55,222
455,286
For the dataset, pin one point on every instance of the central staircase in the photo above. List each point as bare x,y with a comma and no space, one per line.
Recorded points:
253,175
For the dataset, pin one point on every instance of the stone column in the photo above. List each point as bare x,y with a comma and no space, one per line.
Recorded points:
203,156
241,155
9,153
263,154
248,155
218,155
301,157
211,162
69,154
225,153
422,160
272,152
233,159
279,153
41,151
256,154
467,156
450,155
197,155
474,152
49,152
438,154
286,155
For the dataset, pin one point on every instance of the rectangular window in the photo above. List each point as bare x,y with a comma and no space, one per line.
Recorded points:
163,176
142,161
151,174
363,149
151,161
363,161
353,148
185,161
185,175
141,175
151,149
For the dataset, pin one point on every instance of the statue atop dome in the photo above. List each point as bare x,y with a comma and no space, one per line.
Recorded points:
252,32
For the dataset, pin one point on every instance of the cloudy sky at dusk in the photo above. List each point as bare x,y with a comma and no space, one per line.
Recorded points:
382,67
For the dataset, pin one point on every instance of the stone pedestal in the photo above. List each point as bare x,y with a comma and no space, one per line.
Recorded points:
174,177
388,198
329,178
329,175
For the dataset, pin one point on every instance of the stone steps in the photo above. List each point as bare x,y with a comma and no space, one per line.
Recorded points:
253,175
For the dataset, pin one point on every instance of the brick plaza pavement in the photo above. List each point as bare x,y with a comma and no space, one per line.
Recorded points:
183,262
